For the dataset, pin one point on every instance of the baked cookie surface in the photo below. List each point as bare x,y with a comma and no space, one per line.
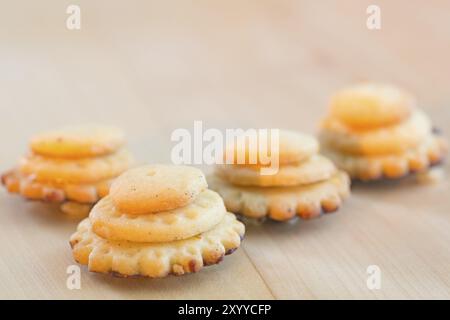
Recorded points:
155,188
78,141
293,147
73,166
314,169
159,243
28,187
75,171
371,105
366,168
284,203
199,216
380,134
156,260
396,138
304,187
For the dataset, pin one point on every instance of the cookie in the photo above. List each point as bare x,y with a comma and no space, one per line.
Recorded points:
36,191
371,105
201,215
284,203
197,232
394,166
393,139
78,141
314,169
156,260
155,188
75,171
28,187
73,166
390,142
293,147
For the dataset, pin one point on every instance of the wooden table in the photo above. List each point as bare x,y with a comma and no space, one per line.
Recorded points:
154,66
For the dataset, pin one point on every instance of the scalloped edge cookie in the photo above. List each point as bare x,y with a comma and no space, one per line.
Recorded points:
52,192
396,138
205,212
314,169
156,260
75,171
372,168
293,147
284,203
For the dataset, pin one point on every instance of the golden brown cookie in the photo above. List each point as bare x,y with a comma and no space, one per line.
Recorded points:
15,183
78,141
73,166
75,171
314,169
201,215
371,105
157,243
156,260
393,138
155,188
284,203
293,147
28,187
367,168
397,138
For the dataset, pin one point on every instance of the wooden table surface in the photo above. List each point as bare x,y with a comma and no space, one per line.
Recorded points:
154,66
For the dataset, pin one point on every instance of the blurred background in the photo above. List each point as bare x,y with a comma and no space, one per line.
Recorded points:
153,66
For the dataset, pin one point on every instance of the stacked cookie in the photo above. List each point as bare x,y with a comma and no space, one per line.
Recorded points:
306,183
73,166
375,131
158,220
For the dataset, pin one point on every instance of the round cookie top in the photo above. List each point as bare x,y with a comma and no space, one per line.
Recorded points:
75,171
78,141
371,105
293,147
156,188
205,212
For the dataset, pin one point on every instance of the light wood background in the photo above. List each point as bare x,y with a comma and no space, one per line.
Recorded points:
154,66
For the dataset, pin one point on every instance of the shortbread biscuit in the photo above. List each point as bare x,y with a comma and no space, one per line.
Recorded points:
156,260
75,171
293,147
314,169
73,166
28,187
201,215
393,139
394,166
283,203
371,105
155,188
36,191
78,141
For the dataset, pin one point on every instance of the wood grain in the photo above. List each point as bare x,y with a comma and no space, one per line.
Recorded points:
154,66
